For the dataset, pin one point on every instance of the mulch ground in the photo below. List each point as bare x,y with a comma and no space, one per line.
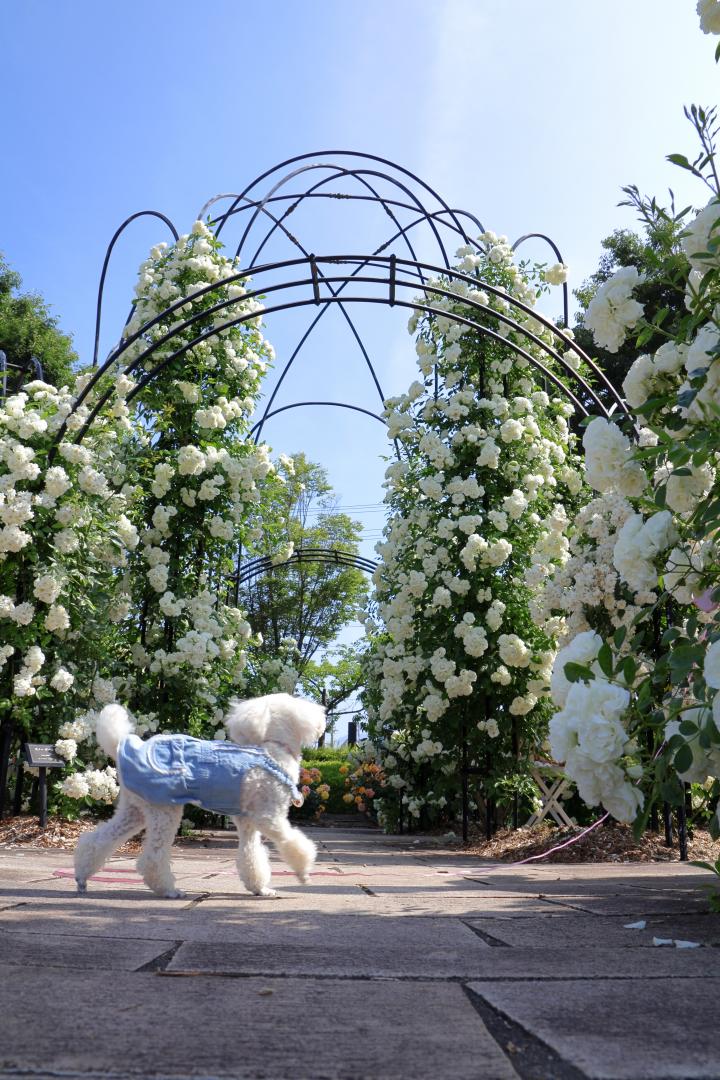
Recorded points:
25,831
611,842
607,843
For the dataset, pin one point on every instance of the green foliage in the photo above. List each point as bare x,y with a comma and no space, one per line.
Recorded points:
27,329
308,602
331,775
657,255
316,754
714,868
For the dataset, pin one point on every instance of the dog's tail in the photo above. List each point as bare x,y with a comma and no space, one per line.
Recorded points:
112,726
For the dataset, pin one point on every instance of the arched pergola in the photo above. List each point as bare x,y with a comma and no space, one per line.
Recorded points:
392,274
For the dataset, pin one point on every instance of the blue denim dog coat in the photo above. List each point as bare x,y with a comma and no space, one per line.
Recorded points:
180,769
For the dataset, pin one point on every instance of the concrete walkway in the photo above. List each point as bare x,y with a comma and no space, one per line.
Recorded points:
397,960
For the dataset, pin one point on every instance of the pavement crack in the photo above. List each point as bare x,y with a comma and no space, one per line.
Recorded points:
487,938
365,889
159,963
531,1058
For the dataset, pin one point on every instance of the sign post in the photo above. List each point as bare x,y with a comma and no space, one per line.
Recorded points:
43,757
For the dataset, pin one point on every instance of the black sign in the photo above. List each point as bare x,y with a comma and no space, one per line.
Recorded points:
40,756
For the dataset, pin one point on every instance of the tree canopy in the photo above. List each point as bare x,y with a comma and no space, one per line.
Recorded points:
309,602
657,254
27,329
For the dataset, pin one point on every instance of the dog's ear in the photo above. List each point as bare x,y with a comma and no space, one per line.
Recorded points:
247,721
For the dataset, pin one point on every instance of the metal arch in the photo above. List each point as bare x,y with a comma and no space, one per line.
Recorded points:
356,175
301,404
363,260
401,231
106,262
556,249
279,222
263,564
316,320
413,305
436,215
345,153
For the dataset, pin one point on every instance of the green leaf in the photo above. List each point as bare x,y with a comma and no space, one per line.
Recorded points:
619,636
683,759
687,727
629,670
713,868
605,660
575,672
681,160
660,497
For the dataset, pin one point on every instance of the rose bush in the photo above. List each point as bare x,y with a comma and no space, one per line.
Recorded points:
479,507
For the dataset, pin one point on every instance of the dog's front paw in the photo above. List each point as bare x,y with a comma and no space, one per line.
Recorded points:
81,886
173,894
266,892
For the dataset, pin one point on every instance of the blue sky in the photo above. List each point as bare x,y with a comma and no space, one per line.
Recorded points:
531,115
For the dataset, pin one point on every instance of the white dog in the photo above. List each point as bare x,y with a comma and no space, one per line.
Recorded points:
253,785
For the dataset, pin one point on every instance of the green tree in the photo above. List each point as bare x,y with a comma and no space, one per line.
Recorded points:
337,677
308,601
657,254
27,329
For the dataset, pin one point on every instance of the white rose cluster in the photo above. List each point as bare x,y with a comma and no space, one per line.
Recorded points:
589,737
612,311
486,469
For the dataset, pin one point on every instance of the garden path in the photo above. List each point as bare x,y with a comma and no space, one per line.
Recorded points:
399,959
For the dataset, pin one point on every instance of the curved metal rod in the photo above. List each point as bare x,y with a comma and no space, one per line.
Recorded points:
347,153
264,563
302,404
381,261
556,249
436,214
106,261
316,320
341,153
357,175
349,197
413,305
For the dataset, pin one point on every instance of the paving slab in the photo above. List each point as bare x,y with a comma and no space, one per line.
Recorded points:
463,905
636,903
77,951
582,930
247,1029
619,1030
363,946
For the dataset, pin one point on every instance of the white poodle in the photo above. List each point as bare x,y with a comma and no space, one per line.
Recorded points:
254,785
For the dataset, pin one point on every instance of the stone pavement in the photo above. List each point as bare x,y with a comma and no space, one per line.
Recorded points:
397,960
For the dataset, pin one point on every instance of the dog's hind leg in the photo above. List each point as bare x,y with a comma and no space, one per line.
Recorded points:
95,848
293,846
253,862
161,825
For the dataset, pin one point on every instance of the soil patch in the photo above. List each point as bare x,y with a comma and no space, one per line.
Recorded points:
611,842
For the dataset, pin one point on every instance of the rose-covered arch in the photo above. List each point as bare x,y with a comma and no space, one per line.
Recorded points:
161,343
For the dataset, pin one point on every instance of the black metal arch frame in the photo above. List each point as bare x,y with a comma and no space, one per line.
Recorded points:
390,270
331,289
325,282
264,564
401,179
